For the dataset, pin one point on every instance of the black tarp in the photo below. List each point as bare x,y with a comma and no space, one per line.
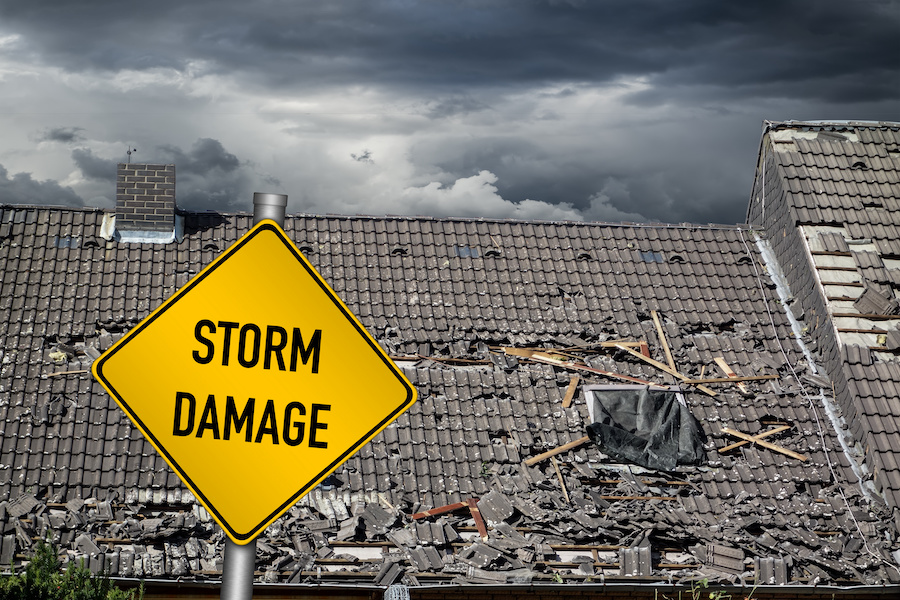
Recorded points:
647,426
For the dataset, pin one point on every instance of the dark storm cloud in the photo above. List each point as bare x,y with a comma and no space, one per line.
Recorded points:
480,85
21,188
205,156
64,135
208,176
92,166
795,45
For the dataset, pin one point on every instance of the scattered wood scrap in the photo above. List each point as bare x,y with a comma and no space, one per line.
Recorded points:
557,360
664,368
758,436
757,439
557,450
662,340
471,504
732,379
719,360
570,391
562,482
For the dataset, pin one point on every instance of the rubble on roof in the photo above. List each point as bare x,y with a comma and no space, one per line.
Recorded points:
487,479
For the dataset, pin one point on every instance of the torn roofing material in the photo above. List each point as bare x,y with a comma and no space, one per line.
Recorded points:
652,428
575,298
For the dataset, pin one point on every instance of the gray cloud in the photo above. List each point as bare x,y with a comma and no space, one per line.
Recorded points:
65,135
796,44
21,188
92,166
205,156
208,176
626,107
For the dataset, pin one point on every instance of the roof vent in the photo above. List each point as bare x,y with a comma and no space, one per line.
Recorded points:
492,253
145,203
399,251
585,256
860,166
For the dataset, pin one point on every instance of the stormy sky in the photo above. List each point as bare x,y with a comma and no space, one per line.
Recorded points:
618,110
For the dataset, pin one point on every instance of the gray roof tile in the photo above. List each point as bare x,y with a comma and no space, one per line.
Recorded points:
474,423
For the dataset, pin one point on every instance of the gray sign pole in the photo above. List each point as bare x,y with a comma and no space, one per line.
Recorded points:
240,561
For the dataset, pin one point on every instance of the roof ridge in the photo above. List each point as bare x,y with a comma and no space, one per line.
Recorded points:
388,217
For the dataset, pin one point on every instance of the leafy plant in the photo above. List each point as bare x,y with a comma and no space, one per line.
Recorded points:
44,579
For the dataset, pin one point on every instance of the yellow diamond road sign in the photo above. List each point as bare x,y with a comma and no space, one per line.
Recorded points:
254,381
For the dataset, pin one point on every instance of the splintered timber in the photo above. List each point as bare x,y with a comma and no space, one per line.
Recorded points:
251,345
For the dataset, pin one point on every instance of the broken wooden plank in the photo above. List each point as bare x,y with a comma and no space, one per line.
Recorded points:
664,368
732,379
562,482
753,440
557,450
439,510
756,437
60,373
729,372
645,349
570,391
476,516
662,339
540,357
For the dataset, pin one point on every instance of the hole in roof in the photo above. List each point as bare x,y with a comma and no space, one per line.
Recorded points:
831,135
399,251
465,251
860,166
677,258
492,252
652,256
65,241
211,246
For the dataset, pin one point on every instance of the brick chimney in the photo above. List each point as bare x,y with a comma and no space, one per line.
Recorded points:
145,202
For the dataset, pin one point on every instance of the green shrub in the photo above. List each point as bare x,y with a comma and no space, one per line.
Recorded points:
43,579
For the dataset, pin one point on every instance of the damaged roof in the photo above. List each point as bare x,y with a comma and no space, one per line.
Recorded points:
827,195
505,328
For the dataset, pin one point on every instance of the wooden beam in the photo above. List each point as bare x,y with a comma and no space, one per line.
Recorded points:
545,358
662,339
778,429
764,444
431,512
729,372
557,450
733,379
664,368
562,482
570,391
476,516
871,317
61,373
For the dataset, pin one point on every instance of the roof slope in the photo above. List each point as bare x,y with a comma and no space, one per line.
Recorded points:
445,296
828,196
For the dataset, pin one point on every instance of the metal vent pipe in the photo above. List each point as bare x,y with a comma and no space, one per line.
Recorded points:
269,206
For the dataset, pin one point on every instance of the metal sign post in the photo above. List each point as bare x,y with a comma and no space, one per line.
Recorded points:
240,560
